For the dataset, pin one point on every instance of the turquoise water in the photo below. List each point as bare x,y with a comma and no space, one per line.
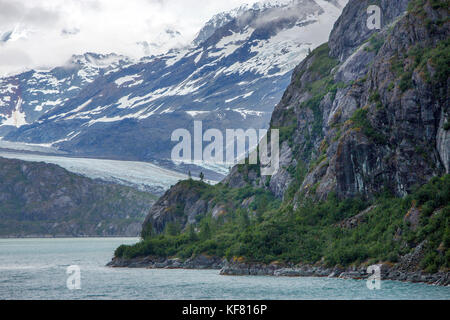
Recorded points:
36,269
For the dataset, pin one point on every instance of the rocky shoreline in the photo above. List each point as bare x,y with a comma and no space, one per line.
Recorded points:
236,268
200,262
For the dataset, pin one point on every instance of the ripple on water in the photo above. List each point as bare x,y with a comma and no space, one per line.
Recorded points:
36,269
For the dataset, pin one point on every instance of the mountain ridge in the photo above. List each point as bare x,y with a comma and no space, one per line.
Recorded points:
233,79
364,165
38,199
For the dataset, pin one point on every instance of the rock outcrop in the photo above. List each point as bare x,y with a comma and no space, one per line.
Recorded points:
180,205
199,262
236,268
387,272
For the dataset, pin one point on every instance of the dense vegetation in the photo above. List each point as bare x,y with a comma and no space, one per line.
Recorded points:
313,233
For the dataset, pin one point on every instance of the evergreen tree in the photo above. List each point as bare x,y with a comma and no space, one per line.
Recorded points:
192,233
205,231
173,229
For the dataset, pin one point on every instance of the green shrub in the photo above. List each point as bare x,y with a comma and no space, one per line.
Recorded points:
447,126
312,232
406,81
323,63
360,120
376,41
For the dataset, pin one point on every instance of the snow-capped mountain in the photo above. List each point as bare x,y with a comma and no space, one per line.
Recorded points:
231,77
139,175
216,22
162,42
25,97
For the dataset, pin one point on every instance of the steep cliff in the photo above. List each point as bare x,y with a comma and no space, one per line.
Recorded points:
364,157
377,120
38,199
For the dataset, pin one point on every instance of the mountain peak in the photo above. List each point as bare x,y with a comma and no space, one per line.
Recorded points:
237,75
244,11
98,60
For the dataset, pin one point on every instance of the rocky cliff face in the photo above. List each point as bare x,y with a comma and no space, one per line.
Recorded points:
369,110
365,113
181,205
351,31
38,199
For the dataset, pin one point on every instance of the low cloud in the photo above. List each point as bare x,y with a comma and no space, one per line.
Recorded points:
46,33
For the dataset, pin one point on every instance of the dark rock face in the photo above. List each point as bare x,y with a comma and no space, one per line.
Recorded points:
235,179
281,180
180,205
413,217
38,199
408,120
411,261
350,31
355,159
380,123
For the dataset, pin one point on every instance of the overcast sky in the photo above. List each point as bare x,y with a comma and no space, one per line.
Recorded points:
48,32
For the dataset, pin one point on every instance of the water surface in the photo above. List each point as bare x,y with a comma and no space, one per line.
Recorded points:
36,269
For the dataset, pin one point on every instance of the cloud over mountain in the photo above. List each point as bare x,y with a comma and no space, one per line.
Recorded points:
46,33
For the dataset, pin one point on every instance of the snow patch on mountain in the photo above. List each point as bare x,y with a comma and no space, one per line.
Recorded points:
129,81
17,118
